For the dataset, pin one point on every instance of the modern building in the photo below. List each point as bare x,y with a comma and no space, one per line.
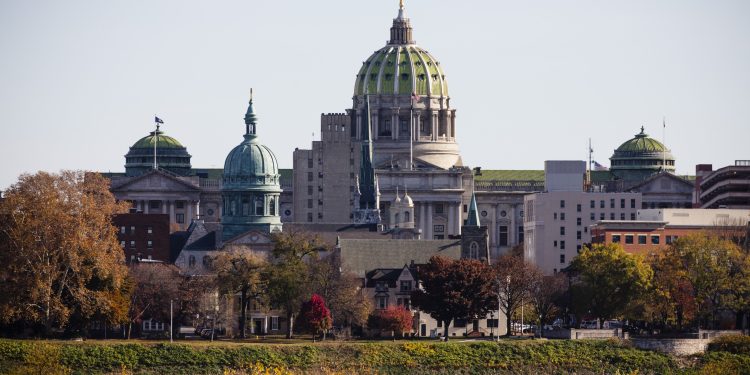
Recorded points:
143,237
653,229
727,187
557,221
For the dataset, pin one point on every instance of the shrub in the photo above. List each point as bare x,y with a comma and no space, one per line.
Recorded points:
736,344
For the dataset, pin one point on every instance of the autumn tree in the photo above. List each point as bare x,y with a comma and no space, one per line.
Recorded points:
59,251
154,285
314,316
395,319
513,282
454,289
342,291
607,280
287,278
546,295
240,271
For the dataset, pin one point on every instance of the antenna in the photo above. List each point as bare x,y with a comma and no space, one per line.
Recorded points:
664,143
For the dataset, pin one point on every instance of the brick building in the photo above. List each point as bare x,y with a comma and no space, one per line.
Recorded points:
143,237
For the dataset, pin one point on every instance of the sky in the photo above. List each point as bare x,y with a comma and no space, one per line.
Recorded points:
532,80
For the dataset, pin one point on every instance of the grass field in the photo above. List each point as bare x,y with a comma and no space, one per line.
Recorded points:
371,357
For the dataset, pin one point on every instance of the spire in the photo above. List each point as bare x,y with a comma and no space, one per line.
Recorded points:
401,29
366,172
473,220
250,119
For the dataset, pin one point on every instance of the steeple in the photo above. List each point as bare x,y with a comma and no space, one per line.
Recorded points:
401,30
473,220
250,118
367,198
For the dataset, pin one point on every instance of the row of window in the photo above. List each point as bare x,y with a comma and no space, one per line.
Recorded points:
131,245
592,216
124,230
643,239
602,203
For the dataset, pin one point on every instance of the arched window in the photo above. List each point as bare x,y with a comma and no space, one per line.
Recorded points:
396,219
206,261
474,250
272,207
407,217
191,261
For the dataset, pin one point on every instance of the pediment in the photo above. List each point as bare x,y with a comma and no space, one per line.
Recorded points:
155,181
664,183
252,237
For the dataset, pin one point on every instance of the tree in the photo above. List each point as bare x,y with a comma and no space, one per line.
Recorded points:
546,295
240,271
153,286
62,261
705,274
342,292
288,276
514,279
454,289
314,316
396,319
607,280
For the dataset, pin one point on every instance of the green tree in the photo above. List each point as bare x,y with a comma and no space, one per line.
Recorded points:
240,271
454,289
288,277
62,263
607,280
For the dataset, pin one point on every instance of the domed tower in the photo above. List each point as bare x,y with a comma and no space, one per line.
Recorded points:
411,117
171,155
250,190
640,157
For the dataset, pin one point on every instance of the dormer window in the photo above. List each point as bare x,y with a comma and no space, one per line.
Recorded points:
404,76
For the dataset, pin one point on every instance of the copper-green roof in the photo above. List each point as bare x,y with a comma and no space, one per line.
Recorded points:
163,141
642,143
401,70
511,175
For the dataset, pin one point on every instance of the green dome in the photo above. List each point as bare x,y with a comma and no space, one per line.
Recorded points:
642,143
251,163
401,70
163,141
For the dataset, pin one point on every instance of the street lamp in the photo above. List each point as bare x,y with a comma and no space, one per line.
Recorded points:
492,327
216,312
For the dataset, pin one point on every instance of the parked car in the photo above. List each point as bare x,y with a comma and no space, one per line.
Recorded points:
589,324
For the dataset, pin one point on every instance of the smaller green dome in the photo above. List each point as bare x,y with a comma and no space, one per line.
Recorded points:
163,141
642,143
251,162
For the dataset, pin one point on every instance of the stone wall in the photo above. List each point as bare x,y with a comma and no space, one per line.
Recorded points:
681,346
578,334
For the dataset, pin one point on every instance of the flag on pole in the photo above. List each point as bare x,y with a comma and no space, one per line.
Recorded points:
158,120
599,167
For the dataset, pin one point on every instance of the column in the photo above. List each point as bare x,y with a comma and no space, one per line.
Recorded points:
457,219
451,219
171,212
265,325
163,205
422,219
145,206
494,236
189,218
434,126
395,126
429,210
197,209
513,227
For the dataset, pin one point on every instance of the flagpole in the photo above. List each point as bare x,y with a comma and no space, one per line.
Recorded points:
411,136
156,140
664,143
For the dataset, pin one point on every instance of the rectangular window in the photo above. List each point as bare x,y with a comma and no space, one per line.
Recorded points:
309,189
578,207
274,323
562,204
503,235
668,239
405,285
554,243
459,323
585,229
132,244
654,240
629,239
578,221
150,244
578,249
562,258
439,208
632,216
440,323
520,234
601,216
622,216
154,204
601,203
150,230
122,243
562,231
615,238
309,176
492,323
641,239
593,216
632,203
309,163
309,217
179,204
382,303
466,208
438,237
562,245
578,235
309,203
622,203
562,215
179,218
554,215
438,228
122,230
132,230
593,203
612,203
611,216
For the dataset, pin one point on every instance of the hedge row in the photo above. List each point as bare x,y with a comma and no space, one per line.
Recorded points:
552,357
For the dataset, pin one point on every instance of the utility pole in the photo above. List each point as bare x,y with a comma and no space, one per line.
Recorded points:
171,327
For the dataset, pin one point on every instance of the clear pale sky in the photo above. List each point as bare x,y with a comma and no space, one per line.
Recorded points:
532,80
